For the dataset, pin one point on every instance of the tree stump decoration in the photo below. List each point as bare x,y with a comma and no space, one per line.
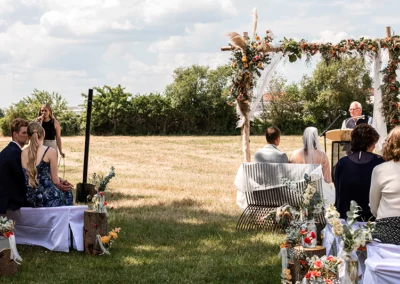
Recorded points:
95,223
299,270
7,265
83,190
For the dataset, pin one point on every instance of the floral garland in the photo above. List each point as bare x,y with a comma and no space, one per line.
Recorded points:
246,62
248,58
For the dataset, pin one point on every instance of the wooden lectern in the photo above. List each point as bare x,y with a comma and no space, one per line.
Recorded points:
340,144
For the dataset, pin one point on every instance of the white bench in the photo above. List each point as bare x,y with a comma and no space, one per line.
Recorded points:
50,227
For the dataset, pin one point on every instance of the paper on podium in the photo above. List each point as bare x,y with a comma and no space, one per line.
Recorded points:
339,134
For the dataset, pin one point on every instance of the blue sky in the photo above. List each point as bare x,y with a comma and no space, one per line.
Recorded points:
71,46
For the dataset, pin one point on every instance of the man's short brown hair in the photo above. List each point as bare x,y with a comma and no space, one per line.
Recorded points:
272,133
17,123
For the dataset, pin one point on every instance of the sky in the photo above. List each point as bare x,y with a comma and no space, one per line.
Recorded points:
69,46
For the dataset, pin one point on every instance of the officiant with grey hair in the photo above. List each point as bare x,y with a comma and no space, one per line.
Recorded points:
356,118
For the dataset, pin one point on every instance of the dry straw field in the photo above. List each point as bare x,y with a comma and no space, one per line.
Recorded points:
175,202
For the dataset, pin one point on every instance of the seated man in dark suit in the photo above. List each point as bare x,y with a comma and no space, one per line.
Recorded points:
270,152
12,180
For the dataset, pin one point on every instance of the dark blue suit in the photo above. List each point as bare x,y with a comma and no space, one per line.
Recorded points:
12,180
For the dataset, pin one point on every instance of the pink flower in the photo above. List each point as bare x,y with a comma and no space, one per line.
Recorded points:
307,240
312,235
303,232
318,264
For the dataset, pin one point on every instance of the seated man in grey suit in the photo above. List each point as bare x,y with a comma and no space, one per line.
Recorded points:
270,152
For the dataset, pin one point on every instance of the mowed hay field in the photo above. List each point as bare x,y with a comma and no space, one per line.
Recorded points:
176,205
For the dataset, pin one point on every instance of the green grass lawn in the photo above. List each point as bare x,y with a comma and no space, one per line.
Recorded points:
175,203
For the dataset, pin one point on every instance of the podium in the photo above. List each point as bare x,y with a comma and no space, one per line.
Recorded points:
340,145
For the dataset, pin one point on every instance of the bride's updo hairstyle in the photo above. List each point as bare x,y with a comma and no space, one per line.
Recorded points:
35,133
391,148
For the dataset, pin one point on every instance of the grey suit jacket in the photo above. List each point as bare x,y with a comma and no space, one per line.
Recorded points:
270,154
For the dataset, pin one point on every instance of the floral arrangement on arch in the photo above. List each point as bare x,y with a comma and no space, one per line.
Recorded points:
99,203
251,55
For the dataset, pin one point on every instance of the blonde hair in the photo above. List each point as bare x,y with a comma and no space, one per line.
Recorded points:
47,105
391,148
35,133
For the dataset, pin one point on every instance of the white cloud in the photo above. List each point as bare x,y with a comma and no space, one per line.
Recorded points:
125,26
69,46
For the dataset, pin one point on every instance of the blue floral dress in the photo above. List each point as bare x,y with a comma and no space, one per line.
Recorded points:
46,194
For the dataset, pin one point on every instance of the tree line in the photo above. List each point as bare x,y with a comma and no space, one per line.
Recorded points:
195,103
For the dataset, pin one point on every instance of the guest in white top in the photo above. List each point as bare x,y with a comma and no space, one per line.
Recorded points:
385,191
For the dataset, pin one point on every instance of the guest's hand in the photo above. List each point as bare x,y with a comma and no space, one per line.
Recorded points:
62,154
40,119
64,185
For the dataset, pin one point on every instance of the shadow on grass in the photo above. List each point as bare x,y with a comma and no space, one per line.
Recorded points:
169,243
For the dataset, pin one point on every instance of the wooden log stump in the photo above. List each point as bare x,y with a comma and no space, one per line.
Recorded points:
83,190
7,265
301,253
95,223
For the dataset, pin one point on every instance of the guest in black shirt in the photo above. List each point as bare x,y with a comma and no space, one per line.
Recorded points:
51,127
352,176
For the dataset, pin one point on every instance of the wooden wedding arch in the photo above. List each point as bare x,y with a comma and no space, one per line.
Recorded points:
251,55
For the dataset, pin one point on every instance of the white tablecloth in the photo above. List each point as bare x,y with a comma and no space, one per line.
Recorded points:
382,264
49,227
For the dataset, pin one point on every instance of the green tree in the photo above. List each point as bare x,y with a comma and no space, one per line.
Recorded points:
332,88
284,107
110,110
187,93
198,97
28,108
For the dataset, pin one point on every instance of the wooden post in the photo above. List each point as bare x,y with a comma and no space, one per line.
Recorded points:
95,223
245,109
389,34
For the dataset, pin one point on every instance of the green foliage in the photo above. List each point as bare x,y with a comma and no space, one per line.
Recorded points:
332,88
110,110
28,108
70,123
198,97
101,181
284,107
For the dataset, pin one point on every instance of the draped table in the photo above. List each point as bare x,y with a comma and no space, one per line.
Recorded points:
50,227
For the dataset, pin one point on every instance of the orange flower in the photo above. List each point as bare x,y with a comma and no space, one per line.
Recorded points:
105,239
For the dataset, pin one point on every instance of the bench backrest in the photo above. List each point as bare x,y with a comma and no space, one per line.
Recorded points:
264,183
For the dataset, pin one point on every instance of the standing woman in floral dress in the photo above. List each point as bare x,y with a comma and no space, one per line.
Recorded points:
52,128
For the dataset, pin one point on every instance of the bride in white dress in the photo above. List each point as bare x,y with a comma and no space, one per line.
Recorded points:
312,153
